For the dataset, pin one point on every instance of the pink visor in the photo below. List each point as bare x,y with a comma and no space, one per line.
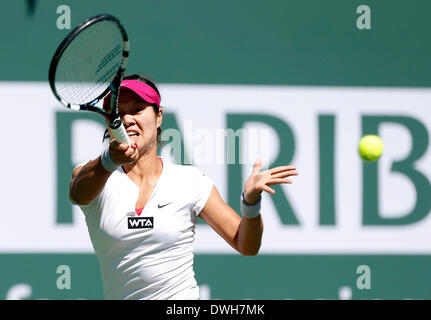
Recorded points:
142,89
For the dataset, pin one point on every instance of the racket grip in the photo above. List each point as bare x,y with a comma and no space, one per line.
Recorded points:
119,132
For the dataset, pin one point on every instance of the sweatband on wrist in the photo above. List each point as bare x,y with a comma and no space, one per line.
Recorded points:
107,161
250,210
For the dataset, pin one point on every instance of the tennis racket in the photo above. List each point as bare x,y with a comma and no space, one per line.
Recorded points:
89,63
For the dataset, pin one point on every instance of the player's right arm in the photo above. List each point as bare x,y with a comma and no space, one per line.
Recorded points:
88,180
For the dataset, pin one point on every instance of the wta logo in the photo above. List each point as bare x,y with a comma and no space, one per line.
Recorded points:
140,222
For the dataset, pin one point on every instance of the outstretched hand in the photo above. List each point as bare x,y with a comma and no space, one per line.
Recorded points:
261,180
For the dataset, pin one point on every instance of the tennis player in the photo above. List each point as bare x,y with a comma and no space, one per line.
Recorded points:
141,210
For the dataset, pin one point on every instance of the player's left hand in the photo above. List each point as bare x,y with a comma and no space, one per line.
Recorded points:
261,180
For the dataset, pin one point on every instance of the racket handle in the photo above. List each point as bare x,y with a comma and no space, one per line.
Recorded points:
119,132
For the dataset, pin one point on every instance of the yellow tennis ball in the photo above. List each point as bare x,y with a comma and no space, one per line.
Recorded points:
370,147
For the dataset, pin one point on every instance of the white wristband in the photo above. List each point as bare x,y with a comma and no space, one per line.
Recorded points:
107,161
250,210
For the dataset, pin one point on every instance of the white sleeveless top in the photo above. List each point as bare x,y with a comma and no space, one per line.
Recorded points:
148,256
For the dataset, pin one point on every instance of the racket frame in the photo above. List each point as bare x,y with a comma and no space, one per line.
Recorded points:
112,118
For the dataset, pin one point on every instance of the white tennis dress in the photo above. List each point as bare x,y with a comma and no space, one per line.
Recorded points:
148,256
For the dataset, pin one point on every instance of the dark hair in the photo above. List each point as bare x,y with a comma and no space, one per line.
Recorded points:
151,83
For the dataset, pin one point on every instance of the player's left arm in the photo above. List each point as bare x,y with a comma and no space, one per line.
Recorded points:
244,234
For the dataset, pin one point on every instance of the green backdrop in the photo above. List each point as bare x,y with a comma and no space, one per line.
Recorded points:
296,42
275,42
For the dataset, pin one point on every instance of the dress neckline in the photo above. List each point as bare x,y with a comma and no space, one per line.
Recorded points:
139,210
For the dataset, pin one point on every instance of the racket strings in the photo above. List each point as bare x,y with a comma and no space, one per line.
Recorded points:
71,82
77,46
88,87
89,63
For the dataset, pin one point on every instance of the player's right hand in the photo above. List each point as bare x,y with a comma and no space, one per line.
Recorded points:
122,153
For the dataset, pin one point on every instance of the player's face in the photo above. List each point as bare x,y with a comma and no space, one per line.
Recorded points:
140,120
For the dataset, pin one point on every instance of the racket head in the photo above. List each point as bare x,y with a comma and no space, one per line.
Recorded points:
89,63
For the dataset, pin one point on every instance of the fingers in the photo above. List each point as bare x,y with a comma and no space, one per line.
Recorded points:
281,169
279,181
130,151
122,153
257,165
262,181
268,189
122,147
284,174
